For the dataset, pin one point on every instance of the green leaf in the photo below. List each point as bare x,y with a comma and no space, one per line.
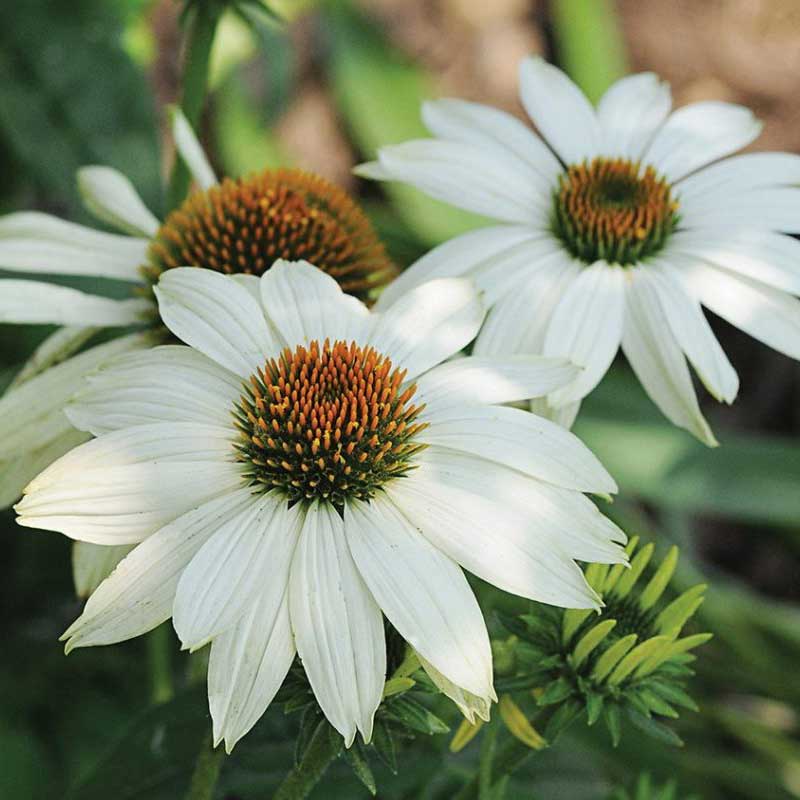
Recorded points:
555,692
655,729
357,760
613,718
414,715
383,742
564,716
594,707
308,724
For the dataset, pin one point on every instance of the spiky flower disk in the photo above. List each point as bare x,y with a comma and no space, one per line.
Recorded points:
328,422
630,657
613,209
245,225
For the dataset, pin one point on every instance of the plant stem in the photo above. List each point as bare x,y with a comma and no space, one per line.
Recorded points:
488,748
206,772
202,26
160,666
324,748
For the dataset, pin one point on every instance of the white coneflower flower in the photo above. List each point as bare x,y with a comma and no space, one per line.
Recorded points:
307,464
236,226
615,231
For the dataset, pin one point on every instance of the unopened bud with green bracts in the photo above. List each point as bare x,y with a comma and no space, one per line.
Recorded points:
629,659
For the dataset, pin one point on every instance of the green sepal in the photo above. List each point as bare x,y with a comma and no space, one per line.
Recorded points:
565,714
673,694
556,692
655,729
657,704
384,745
594,707
308,724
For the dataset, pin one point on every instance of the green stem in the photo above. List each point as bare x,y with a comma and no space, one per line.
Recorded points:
323,749
488,748
160,665
206,772
202,27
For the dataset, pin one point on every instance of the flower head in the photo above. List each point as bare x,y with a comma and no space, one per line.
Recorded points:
617,226
307,464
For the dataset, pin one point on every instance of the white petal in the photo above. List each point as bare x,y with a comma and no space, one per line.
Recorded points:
40,303
774,208
564,416
337,626
56,348
518,322
451,507
658,361
111,197
217,316
247,666
766,257
630,113
170,383
521,440
93,563
16,473
768,315
586,327
489,127
34,242
429,324
228,574
456,257
560,111
698,134
306,304
421,591
693,333
468,176
487,379
191,151
139,594
32,414
126,485
741,174
469,704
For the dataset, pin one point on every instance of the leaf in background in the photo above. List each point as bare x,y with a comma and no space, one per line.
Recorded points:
75,97
380,96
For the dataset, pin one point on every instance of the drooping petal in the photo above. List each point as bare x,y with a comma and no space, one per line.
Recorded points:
39,303
459,256
769,315
520,440
487,380
560,111
32,413
693,333
470,705
631,112
34,242
422,592
429,324
491,128
170,383
191,151
658,361
586,328
139,594
465,175
217,316
698,134
305,304
247,666
226,577
111,197
93,563
449,500
123,487
517,323
337,626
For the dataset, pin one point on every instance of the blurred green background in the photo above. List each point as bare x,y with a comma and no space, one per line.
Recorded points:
87,81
